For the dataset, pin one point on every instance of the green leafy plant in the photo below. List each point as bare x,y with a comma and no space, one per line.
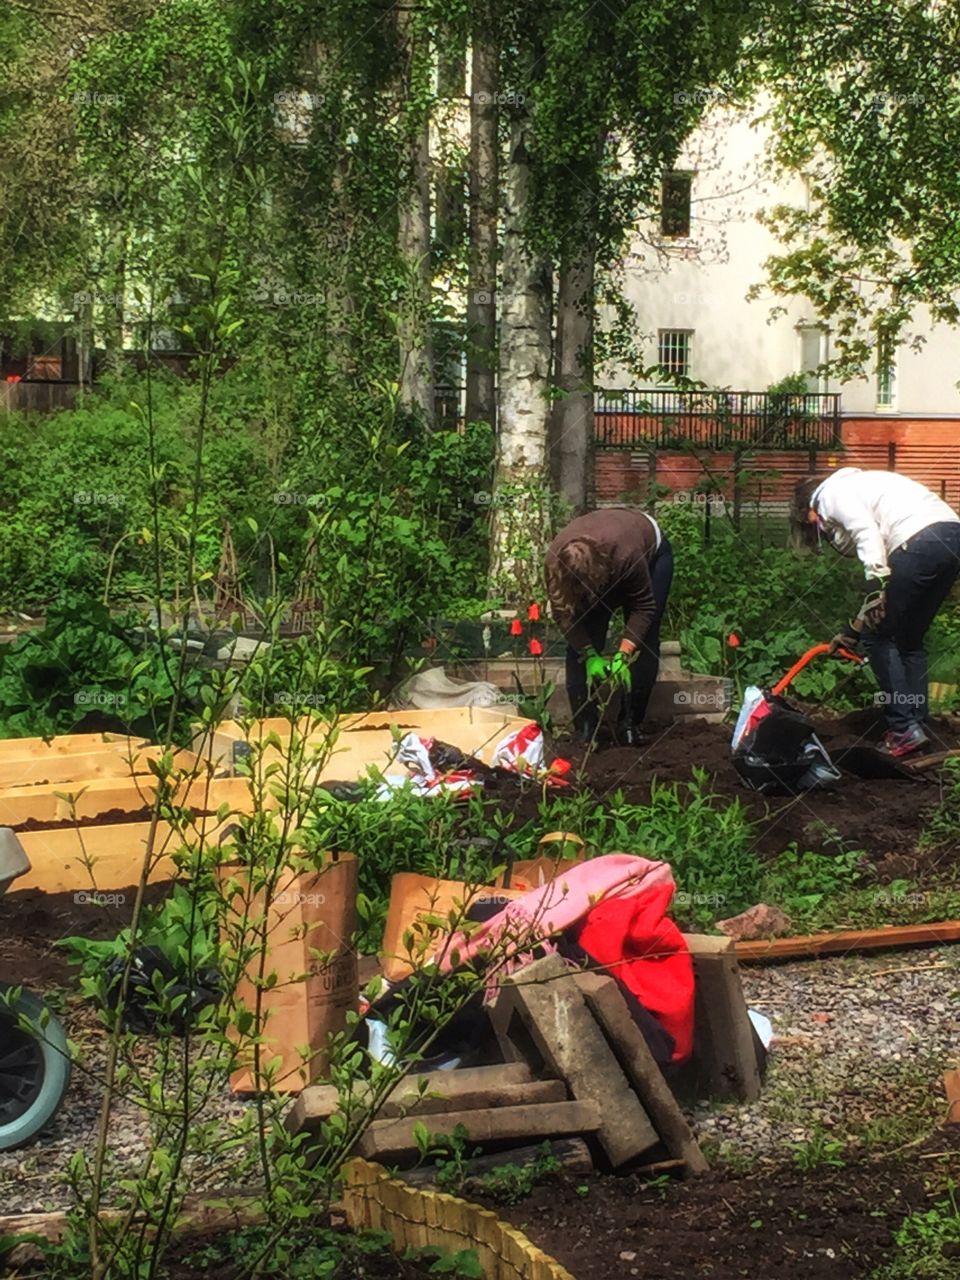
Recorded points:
818,1151
927,1243
510,1183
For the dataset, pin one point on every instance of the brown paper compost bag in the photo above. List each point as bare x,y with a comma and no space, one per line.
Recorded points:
534,873
423,904
309,913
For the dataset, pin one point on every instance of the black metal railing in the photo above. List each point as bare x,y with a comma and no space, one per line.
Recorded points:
669,419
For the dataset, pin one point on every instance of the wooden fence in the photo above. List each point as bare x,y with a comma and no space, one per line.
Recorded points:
420,1218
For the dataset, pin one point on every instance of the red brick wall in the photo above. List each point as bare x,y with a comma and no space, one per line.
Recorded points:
928,450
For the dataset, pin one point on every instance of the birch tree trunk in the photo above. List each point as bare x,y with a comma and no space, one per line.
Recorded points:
571,426
484,203
520,525
416,348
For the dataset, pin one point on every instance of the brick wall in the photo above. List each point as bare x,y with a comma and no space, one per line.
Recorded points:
927,450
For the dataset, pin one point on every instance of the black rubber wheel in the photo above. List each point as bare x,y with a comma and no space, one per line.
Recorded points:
34,1070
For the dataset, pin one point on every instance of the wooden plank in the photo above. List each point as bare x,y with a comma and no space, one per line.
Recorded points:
605,1001
918,764
463,1088
951,1085
70,767
59,858
365,738
95,796
392,1138
809,946
724,1051
66,744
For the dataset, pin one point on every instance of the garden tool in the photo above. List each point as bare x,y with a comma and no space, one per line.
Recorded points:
775,747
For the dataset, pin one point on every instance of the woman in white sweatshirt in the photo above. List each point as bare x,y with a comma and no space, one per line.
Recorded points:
908,541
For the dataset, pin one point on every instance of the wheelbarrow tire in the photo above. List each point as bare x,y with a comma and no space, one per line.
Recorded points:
34,1070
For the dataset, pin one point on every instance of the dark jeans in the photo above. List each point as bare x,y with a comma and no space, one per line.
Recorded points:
645,664
921,575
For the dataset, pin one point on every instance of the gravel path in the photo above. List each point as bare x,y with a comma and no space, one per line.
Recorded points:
860,1046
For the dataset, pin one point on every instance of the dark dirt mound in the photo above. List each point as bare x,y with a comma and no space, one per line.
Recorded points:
824,1223
882,817
31,921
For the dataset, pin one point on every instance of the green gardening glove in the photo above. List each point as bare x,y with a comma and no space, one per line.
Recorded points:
597,667
620,670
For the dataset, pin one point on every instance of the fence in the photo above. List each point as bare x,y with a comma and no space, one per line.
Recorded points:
670,419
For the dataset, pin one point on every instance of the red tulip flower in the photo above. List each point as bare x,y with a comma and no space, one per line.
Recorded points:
536,648
533,613
733,640
516,627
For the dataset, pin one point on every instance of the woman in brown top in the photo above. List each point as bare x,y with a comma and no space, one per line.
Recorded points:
615,558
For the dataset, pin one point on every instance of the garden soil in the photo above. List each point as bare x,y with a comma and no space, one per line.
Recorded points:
884,818
821,1224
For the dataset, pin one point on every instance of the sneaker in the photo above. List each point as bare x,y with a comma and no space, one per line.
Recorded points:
631,736
903,744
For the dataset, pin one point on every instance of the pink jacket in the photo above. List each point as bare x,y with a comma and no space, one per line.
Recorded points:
541,913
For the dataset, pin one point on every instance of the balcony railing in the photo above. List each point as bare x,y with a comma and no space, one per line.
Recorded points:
668,419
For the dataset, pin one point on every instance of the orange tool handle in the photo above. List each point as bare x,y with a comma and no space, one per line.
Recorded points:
784,683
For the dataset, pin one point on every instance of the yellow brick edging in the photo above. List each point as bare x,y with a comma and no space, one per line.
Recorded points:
416,1218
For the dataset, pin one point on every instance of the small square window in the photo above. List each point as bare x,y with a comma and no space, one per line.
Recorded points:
673,352
675,204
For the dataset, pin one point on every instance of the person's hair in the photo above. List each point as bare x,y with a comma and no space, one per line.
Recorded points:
576,576
803,534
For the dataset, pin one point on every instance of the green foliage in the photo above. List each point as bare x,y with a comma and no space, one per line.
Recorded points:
182,928
927,1243
777,603
321,1252
942,824
86,661
463,1265
447,1151
511,1183
708,840
818,1151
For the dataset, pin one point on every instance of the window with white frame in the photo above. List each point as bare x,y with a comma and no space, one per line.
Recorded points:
814,352
673,352
886,371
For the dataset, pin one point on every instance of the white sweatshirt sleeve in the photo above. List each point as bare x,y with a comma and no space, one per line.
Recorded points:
841,504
